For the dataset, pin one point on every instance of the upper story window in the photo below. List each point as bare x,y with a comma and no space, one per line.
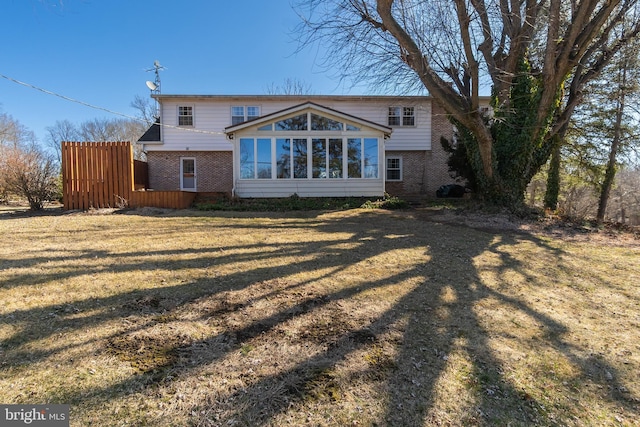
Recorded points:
243,113
185,115
402,116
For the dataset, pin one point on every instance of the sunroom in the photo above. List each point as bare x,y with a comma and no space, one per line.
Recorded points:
309,150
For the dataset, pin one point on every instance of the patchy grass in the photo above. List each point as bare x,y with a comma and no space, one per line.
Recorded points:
356,317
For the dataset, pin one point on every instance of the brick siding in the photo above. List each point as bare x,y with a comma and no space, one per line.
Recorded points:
423,172
437,170
214,170
413,173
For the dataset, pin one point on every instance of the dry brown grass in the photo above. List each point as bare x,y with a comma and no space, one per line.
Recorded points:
328,319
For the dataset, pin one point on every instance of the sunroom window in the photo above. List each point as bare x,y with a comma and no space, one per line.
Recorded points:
308,146
255,158
292,123
324,123
313,158
291,157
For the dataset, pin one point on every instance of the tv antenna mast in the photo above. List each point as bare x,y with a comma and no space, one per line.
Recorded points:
154,86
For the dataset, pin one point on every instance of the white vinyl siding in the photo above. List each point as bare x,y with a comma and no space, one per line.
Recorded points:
214,115
310,188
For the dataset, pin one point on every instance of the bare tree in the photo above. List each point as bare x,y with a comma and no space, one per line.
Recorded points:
147,109
13,137
100,130
14,133
29,172
25,170
290,87
536,56
62,130
625,200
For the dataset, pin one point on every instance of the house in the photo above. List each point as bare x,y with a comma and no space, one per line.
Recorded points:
312,146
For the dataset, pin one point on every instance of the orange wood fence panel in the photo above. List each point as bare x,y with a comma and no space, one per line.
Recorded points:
162,199
104,175
96,174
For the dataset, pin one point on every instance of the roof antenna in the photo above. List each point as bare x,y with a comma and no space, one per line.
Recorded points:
154,86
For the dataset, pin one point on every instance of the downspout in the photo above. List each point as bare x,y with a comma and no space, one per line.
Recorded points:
233,166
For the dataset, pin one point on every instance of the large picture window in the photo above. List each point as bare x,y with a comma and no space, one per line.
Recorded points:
314,158
319,156
362,160
291,158
327,157
255,158
354,158
283,158
370,158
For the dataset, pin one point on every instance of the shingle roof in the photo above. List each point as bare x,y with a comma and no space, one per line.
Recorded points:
152,134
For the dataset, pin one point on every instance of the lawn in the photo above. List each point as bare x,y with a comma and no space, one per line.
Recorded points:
358,317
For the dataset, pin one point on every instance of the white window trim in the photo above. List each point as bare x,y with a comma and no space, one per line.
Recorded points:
193,116
386,168
402,116
245,111
195,174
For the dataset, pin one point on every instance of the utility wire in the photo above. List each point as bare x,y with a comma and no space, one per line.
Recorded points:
66,98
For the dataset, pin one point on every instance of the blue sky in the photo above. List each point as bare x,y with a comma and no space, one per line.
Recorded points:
97,51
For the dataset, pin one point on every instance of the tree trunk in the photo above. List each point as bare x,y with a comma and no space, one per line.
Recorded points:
609,177
610,173
553,180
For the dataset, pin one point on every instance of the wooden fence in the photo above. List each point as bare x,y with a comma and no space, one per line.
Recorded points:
104,175
162,199
97,174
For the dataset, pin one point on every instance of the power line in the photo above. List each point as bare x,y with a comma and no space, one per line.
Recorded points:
96,107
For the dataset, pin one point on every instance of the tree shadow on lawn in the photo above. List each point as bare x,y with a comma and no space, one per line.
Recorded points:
438,316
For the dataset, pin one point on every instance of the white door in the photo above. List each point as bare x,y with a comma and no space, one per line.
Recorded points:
188,173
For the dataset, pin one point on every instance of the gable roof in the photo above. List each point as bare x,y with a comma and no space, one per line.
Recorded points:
152,134
230,130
